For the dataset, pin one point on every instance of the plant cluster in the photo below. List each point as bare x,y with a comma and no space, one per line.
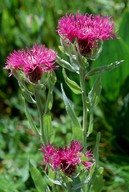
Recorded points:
74,168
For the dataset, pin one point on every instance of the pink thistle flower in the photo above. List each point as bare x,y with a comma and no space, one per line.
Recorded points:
50,156
33,62
66,27
87,30
66,159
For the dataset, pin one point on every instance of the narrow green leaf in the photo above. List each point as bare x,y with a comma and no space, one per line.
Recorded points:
112,81
31,122
23,85
96,180
71,84
38,98
97,183
70,110
55,179
74,63
92,170
64,64
90,128
56,182
94,94
39,180
77,133
47,124
82,60
49,101
61,49
51,177
104,68
27,96
25,92
51,84
96,149
70,51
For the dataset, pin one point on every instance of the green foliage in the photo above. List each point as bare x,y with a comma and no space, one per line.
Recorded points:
38,179
23,23
115,50
48,128
18,144
123,28
72,84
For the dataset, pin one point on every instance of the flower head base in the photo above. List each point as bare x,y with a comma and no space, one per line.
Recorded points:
66,159
33,62
86,30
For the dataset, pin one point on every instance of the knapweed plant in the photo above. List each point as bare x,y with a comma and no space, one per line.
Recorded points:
74,167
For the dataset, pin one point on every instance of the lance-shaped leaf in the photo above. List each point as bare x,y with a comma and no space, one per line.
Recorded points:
69,49
82,61
71,84
25,92
94,94
96,149
51,84
39,180
97,183
56,182
31,122
27,96
104,68
77,133
65,64
47,124
90,128
70,110
74,63
93,98
51,177
61,48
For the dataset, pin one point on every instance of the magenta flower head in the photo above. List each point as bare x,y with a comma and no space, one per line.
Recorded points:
87,31
66,159
33,62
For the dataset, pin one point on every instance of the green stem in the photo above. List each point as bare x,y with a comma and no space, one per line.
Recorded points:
41,114
83,88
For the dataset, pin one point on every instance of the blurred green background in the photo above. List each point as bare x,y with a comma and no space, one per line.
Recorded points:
24,23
